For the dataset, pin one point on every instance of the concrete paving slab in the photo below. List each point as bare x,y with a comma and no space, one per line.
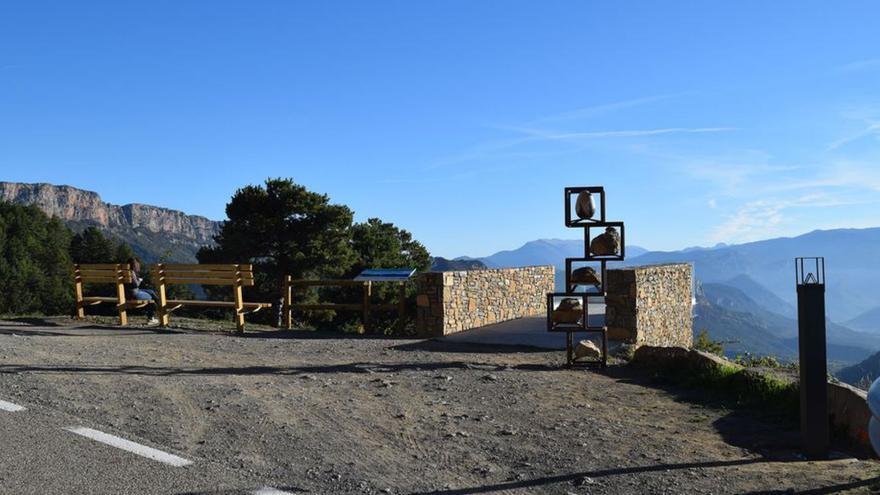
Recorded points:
529,332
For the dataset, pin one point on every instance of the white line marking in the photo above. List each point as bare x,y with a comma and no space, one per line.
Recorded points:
9,406
268,490
134,448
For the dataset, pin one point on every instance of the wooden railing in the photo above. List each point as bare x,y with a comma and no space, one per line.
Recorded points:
366,306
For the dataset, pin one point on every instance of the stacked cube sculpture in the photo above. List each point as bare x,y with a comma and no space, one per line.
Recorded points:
585,277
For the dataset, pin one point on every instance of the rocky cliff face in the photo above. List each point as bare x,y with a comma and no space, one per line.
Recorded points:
152,231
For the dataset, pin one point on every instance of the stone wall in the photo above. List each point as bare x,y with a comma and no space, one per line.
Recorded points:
650,305
450,302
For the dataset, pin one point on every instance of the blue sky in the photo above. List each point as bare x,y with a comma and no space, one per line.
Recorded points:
460,121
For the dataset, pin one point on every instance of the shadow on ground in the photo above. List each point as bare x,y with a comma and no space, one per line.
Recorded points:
39,327
598,475
366,368
758,427
466,348
285,489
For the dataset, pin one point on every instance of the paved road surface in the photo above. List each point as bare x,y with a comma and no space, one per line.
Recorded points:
39,454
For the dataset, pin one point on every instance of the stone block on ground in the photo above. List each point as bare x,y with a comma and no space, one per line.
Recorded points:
659,357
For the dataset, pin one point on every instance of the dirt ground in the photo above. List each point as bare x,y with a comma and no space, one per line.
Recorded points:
337,414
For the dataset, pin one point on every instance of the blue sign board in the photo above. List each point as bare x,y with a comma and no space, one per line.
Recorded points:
386,275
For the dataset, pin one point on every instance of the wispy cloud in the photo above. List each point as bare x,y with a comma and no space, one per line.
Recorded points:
842,174
765,218
592,111
732,176
548,135
871,129
494,149
535,131
860,65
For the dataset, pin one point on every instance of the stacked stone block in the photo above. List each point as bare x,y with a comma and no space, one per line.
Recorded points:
650,305
450,302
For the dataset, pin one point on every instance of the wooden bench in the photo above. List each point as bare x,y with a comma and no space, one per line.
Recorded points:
114,274
234,276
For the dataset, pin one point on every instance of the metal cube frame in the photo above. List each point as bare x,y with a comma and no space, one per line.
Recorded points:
571,328
580,222
572,287
621,229
567,327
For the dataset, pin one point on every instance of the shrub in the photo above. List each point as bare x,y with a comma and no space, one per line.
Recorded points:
704,343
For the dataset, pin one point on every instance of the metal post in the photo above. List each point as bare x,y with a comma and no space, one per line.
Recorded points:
812,351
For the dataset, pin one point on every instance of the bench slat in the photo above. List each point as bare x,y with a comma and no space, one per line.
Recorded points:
205,281
124,277
99,299
103,279
101,266
204,268
109,271
214,275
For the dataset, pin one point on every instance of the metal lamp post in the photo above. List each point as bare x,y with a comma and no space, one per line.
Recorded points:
810,274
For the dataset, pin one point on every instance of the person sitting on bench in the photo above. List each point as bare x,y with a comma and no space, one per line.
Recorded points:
135,291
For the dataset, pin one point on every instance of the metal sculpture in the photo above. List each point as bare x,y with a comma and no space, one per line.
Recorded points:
569,311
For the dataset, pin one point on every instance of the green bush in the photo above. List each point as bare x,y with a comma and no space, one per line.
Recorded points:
704,343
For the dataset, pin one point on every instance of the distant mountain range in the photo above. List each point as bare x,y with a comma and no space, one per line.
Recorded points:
862,374
869,321
543,252
762,269
748,295
732,316
152,232
851,262
440,264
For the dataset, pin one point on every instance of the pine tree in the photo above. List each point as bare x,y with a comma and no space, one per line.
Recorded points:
283,229
35,266
90,246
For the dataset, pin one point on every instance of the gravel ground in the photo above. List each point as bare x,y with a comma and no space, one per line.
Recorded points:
337,414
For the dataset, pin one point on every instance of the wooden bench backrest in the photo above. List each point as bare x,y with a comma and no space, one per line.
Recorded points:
234,275
102,273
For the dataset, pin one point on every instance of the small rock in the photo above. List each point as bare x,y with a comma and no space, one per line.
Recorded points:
587,349
586,480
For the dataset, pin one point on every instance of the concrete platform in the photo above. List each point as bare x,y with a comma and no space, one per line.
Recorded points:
530,332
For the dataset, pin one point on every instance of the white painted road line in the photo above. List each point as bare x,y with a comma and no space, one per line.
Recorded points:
134,448
268,490
9,406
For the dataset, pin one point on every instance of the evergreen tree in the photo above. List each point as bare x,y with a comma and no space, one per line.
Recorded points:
379,244
123,253
283,229
35,266
90,246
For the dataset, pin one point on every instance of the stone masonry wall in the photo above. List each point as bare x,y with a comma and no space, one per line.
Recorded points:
650,305
450,302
